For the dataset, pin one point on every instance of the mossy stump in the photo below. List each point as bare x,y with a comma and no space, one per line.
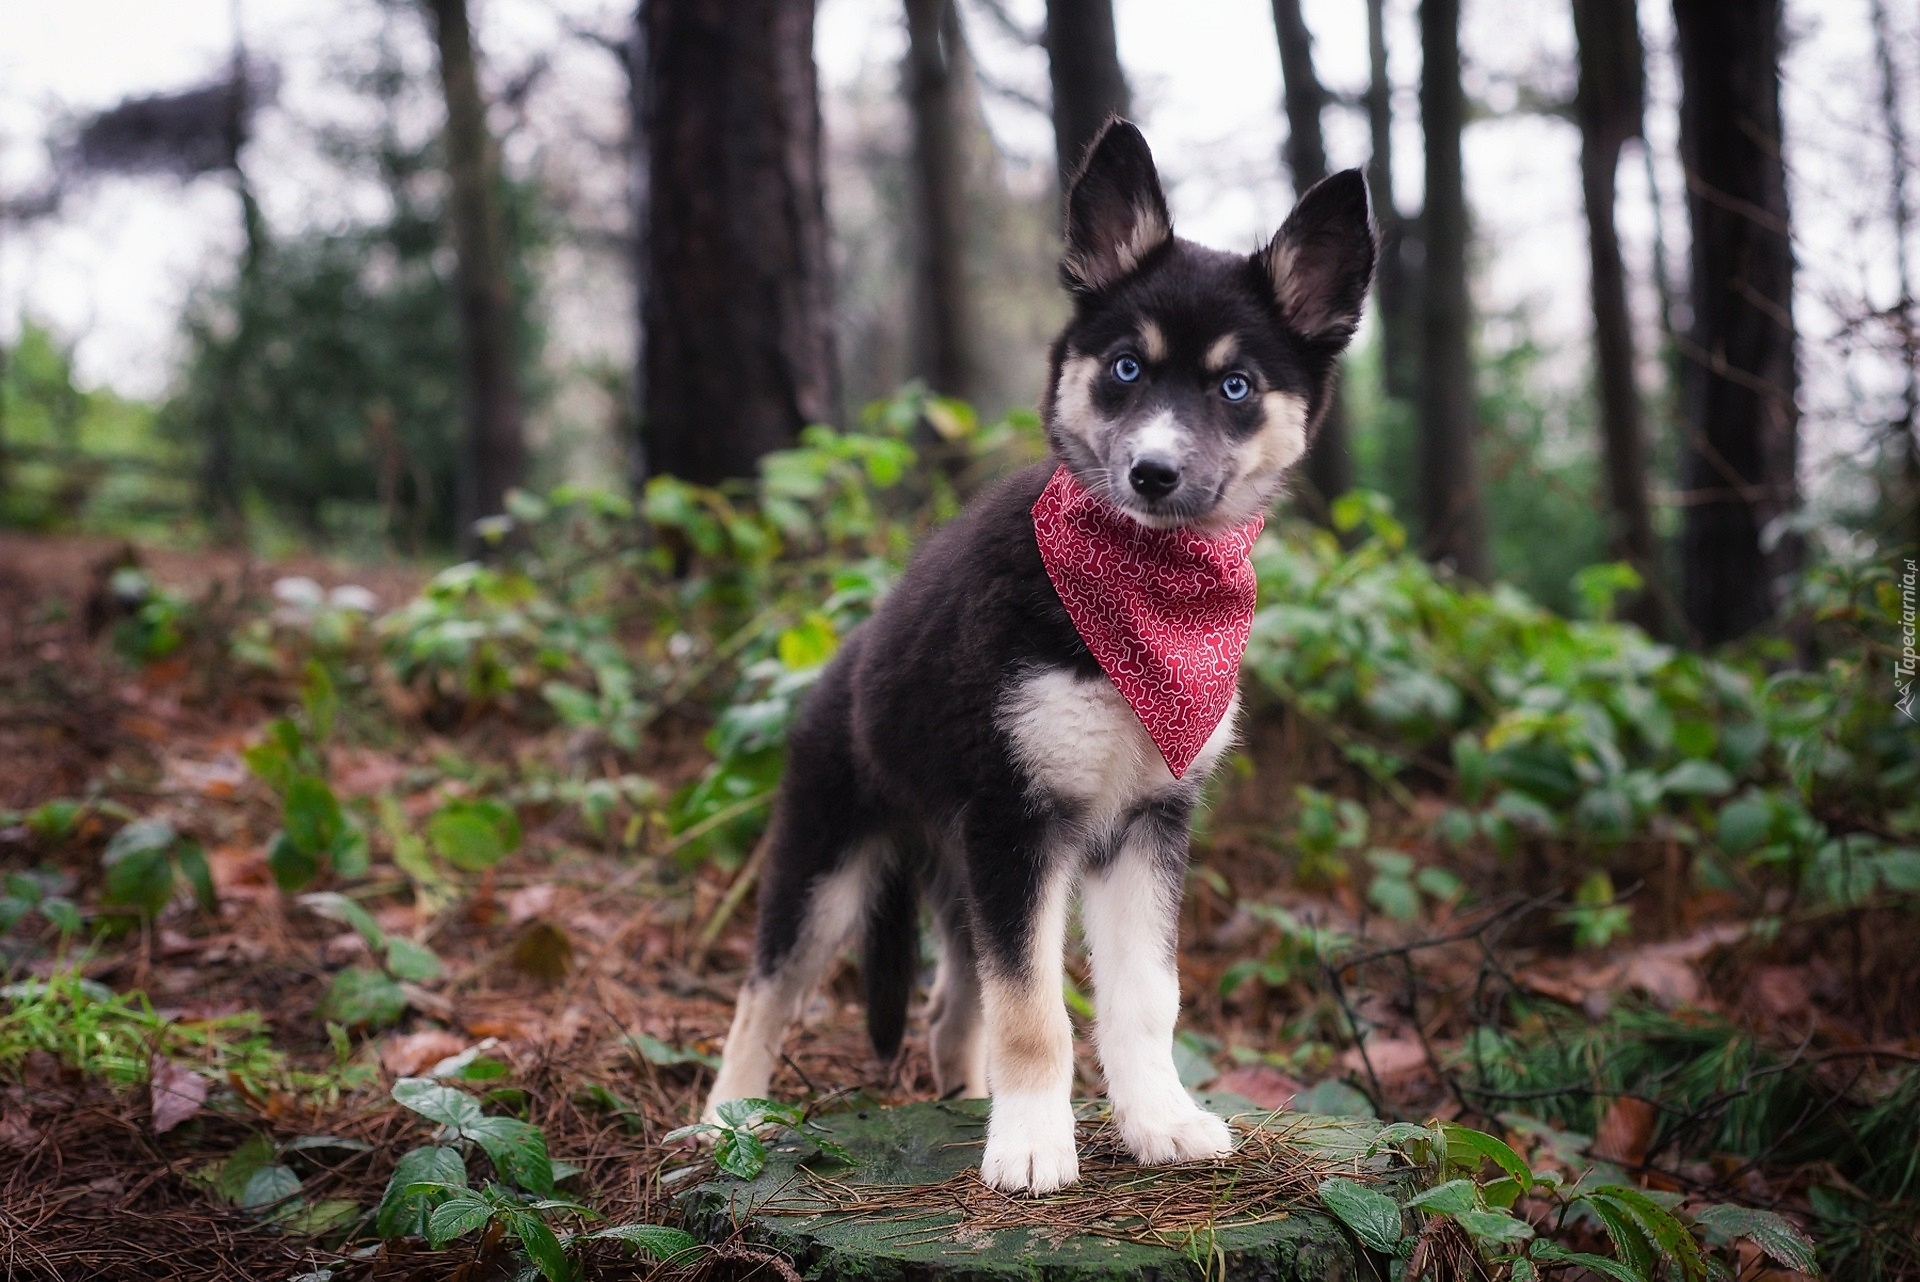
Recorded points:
912,1208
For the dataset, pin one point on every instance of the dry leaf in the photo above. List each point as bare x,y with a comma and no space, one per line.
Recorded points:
176,1093
1625,1130
544,952
528,902
1393,1059
413,1054
17,1132
1264,1085
1780,991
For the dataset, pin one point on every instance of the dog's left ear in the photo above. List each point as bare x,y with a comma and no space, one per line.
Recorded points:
1322,258
1116,212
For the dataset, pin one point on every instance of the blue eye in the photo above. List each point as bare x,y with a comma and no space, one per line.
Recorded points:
1235,387
1126,369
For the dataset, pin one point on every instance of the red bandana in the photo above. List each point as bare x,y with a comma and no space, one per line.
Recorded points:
1165,612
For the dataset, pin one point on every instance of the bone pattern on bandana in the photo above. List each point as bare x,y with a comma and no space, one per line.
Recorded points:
1166,613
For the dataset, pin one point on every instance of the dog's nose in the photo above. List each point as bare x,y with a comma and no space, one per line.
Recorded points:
1153,476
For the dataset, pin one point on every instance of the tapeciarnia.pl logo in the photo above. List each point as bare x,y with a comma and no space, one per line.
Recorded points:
1903,668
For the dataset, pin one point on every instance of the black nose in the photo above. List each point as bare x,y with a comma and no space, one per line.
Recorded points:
1153,478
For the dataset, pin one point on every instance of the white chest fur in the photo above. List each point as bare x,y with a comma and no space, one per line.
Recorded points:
1079,739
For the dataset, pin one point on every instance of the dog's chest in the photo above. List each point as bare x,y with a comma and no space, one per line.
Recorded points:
1078,739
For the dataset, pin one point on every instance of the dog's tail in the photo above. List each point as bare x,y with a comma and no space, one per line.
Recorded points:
890,957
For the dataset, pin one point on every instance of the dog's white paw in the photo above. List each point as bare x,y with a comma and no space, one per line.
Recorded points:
1173,1130
1030,1145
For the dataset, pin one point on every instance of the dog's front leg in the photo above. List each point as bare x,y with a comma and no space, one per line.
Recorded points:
1020,919
1129,910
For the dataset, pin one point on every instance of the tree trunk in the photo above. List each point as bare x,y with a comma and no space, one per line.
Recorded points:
1739,380
1609,105
1455,521
939,94
1394,285
1329,463
496,454
738,286
1903,444
639,215
1088,85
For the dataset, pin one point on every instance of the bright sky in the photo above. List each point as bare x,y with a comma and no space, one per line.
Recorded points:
116,268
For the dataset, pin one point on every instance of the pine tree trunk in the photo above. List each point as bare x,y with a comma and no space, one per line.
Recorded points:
1329,463
1088,85
1903,445
738,284
1395,288
639,217
1449,428
1739,377
938,89
496,454
1609,105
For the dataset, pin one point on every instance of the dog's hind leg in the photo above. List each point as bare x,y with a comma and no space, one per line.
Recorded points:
956,1040
1129,910
803,928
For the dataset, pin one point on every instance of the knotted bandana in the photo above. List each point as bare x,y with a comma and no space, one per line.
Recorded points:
1166,613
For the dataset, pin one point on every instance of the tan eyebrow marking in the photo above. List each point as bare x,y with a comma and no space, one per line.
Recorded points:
1221,354
1152,342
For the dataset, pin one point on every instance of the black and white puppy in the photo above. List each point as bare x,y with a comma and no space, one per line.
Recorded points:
964,745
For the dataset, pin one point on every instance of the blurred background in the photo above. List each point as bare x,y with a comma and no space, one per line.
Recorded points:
343,273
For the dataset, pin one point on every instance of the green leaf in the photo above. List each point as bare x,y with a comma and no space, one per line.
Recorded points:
291,866
518,1150
1630,1242
809,643
657,1240
1666,1232
1482,1145
456,1217
404,1214
1373,1216
1455,1197
1548,1252
312,815
255,1154
740,1154
1697,778
337,907
139,870
473,835
1333,1098
270,1188
655,1051
1494,1226
1779,1237
437,1103
62,913
1744,823
363,997
192,861
413,962
541,1245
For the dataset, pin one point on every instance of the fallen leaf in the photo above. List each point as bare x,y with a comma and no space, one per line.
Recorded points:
1665,977
1393,1059
414,1053
544,952
1780,991
360,773
176,1093
17,1132
507,1030
1624,1132
528,902
1264,1085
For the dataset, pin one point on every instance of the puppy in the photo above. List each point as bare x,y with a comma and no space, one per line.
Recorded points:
1036,705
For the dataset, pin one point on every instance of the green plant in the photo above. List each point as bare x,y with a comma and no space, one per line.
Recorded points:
429,1196
740,1132
260,1178
368,996
1300,953
157,620
473,835
1475,1182
317,833
143,862
36,892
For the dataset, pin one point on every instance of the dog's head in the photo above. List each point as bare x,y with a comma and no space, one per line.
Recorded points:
1189,380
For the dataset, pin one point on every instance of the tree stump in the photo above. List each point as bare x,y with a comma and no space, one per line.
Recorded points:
911,1207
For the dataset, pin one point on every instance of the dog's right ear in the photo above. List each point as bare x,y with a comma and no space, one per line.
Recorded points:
1116,213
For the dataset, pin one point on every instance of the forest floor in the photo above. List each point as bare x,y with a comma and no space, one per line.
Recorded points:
564,952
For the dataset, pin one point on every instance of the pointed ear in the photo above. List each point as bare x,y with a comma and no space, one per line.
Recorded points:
1116,213
1322,258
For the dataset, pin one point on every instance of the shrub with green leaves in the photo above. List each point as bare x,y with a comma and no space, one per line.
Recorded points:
740,1135
370,996
145,861
317,833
